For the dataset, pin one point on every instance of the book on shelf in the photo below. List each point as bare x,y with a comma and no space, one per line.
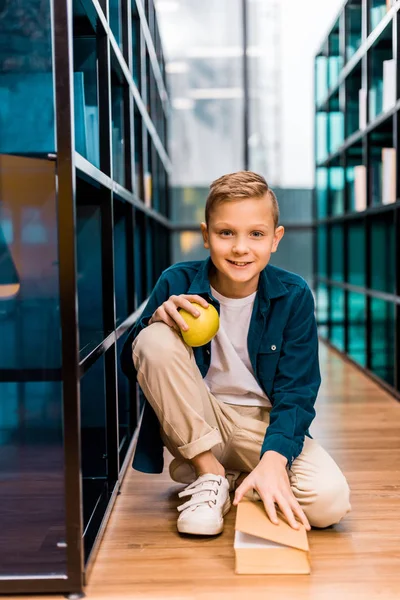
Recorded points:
362,108
389,84
360,187
388,175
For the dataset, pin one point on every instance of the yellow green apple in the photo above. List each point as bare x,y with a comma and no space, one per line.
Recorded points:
201,329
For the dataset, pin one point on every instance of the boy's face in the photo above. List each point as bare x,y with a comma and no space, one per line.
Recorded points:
241,237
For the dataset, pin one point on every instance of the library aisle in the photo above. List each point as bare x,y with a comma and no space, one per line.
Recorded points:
143,557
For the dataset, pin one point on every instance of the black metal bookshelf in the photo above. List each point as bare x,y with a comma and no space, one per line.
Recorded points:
84,235
357,190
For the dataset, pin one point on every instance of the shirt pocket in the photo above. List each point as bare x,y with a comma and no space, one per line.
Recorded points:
267,361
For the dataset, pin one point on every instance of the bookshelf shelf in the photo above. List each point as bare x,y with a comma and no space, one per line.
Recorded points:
357,208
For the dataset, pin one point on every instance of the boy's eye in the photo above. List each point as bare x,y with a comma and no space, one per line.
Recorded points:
226,232
258,233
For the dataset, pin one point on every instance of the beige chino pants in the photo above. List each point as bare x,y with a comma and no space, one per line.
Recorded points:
192,421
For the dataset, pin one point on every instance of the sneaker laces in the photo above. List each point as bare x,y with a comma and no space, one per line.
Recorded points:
202,491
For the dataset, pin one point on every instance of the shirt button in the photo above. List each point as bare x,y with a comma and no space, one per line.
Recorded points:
208,352
273,347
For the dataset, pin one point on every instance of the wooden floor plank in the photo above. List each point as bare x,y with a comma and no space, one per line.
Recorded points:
143,557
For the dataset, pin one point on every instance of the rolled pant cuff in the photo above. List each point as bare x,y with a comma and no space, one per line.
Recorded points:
203,444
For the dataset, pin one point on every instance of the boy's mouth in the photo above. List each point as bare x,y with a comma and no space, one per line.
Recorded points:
239,264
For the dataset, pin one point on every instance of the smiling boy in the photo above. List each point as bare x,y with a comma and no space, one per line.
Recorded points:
243,403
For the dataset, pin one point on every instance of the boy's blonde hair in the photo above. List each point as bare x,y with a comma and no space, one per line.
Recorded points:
240,185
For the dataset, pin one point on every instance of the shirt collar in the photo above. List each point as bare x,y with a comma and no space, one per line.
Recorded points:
269,286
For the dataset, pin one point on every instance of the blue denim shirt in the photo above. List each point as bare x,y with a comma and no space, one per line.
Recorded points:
283,350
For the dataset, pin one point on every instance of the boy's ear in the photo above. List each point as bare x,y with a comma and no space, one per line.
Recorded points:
279,233
204,232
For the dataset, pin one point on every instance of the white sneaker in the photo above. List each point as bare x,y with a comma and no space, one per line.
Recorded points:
204,513
183,472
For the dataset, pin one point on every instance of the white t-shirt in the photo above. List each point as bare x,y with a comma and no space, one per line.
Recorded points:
230,377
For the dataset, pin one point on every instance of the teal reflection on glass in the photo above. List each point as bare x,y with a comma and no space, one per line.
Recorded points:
376,12
336,130
117,128
26,78
322,309
383,339
336,190
90,296
350,183
321,136
337,318
86,99
353,23
93,438
357,349
376,173
139,254
336,250
356,253
321,183
382,253
322,246
115,17
149,256
321,79
335,65
32,517
127,411
121,215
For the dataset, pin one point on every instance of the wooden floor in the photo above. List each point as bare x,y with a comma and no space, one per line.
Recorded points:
143,557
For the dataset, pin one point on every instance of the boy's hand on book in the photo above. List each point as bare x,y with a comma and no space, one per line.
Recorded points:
271,481
168,311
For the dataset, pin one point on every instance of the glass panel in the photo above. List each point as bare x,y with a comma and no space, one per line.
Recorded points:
121,215
356,253
336,248
295,253
357,328
353,108
127,417
115,17
336,130
90,293
188,245
336,190
149,234
118,95
322,308
356,178
377,10
32,518
322,246
321,79
136,59
382,156
382,75
85,87
382,253
382,339
139,175
139,254
321,136
353,27
335,61
93,439
321,183
26,79
337,317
